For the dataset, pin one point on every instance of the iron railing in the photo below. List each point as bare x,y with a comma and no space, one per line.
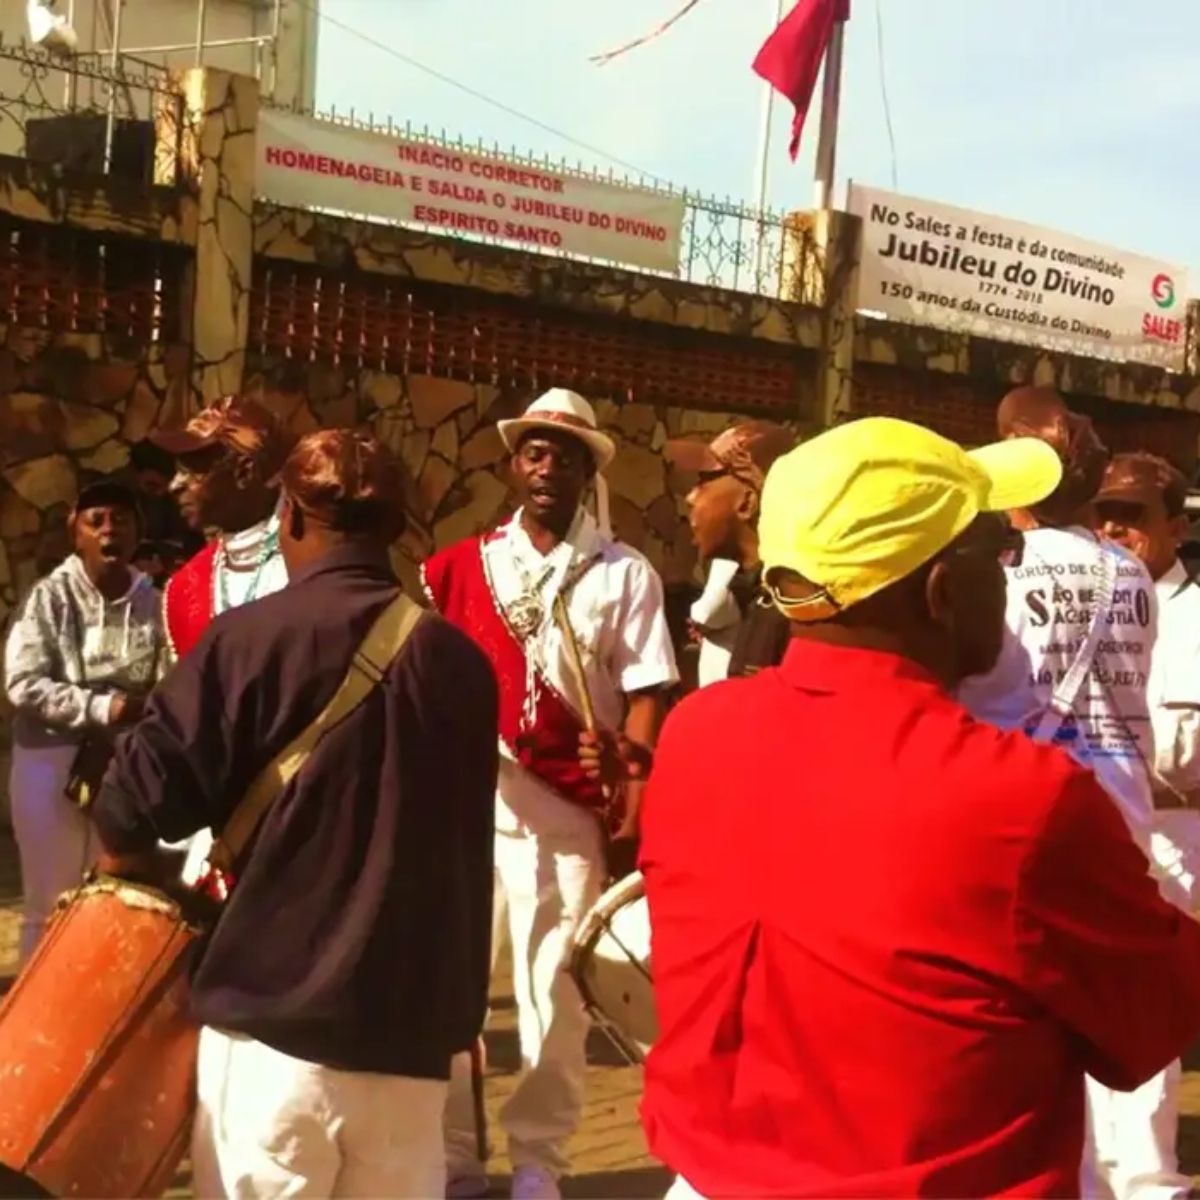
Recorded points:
113,108
83,114
724,243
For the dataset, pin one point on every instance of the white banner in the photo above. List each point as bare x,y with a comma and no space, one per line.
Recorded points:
307,163
931,264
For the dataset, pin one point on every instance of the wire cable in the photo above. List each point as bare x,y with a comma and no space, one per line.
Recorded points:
475,94
883,91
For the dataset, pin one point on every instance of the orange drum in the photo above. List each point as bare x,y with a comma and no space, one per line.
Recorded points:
97,1054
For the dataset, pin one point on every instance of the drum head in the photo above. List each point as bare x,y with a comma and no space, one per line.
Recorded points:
611,965
599,917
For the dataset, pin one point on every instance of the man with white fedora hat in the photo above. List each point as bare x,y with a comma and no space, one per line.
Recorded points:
574,625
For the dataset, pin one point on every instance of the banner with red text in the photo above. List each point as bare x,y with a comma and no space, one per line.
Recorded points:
308,163
970,272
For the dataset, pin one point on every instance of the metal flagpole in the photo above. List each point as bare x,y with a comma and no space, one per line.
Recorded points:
764,159
831,96
201,29
114,67
71,72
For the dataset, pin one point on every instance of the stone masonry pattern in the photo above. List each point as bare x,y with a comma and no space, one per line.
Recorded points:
68,411
445,432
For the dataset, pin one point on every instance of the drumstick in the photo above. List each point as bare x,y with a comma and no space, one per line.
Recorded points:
482,1148
575,662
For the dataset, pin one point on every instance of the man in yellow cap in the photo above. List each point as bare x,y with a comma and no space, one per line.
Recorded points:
889,940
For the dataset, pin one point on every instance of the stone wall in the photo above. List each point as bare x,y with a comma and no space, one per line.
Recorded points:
952,383
68,409
963,407
445,431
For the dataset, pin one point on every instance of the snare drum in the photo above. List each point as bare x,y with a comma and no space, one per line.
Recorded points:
610,963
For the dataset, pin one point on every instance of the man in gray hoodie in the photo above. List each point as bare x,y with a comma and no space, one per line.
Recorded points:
82,653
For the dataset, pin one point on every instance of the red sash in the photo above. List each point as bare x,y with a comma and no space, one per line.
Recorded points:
188,600
457,585
188,604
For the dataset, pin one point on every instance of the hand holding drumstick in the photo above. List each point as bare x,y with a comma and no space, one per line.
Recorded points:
595,753
612,758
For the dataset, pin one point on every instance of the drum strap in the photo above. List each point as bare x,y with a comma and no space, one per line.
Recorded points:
374,657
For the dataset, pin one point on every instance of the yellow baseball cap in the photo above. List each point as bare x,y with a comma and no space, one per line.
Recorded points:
864,505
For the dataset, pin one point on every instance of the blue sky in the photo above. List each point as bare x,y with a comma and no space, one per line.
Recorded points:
1073,114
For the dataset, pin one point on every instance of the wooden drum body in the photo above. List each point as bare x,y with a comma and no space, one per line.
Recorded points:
97,1052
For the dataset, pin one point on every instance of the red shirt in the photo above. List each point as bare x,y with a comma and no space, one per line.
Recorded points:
888,942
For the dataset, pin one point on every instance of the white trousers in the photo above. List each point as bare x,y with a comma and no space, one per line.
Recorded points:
270,1126
549,870
56,841
1131,1139
1130,1152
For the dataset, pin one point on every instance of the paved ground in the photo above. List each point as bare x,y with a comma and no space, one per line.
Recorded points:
610,1155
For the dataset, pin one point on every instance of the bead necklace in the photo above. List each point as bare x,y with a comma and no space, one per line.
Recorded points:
267,551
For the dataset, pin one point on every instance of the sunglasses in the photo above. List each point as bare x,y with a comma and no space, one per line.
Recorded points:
1011,551
1002,539
712,474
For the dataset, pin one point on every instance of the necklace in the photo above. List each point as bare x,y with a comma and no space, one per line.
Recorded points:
526,615
267,551
527,612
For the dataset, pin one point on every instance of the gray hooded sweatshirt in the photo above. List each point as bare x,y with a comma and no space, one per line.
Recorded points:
69,650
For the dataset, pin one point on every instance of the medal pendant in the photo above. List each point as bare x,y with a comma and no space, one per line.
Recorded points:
526,614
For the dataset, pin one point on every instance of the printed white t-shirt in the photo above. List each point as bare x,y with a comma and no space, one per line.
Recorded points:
1049,609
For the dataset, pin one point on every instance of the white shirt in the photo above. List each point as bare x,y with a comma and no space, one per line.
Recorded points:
1048,613
616,612
716,654
717,613
243,550
237,587
1175,713
615,608
1175,681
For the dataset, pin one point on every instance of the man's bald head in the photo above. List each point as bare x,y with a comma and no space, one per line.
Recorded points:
1032,412
1040,412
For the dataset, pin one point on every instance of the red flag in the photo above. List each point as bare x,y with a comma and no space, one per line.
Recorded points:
790,59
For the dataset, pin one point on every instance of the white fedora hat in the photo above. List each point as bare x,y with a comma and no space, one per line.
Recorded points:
566,411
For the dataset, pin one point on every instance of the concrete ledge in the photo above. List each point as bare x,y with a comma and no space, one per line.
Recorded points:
112,205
